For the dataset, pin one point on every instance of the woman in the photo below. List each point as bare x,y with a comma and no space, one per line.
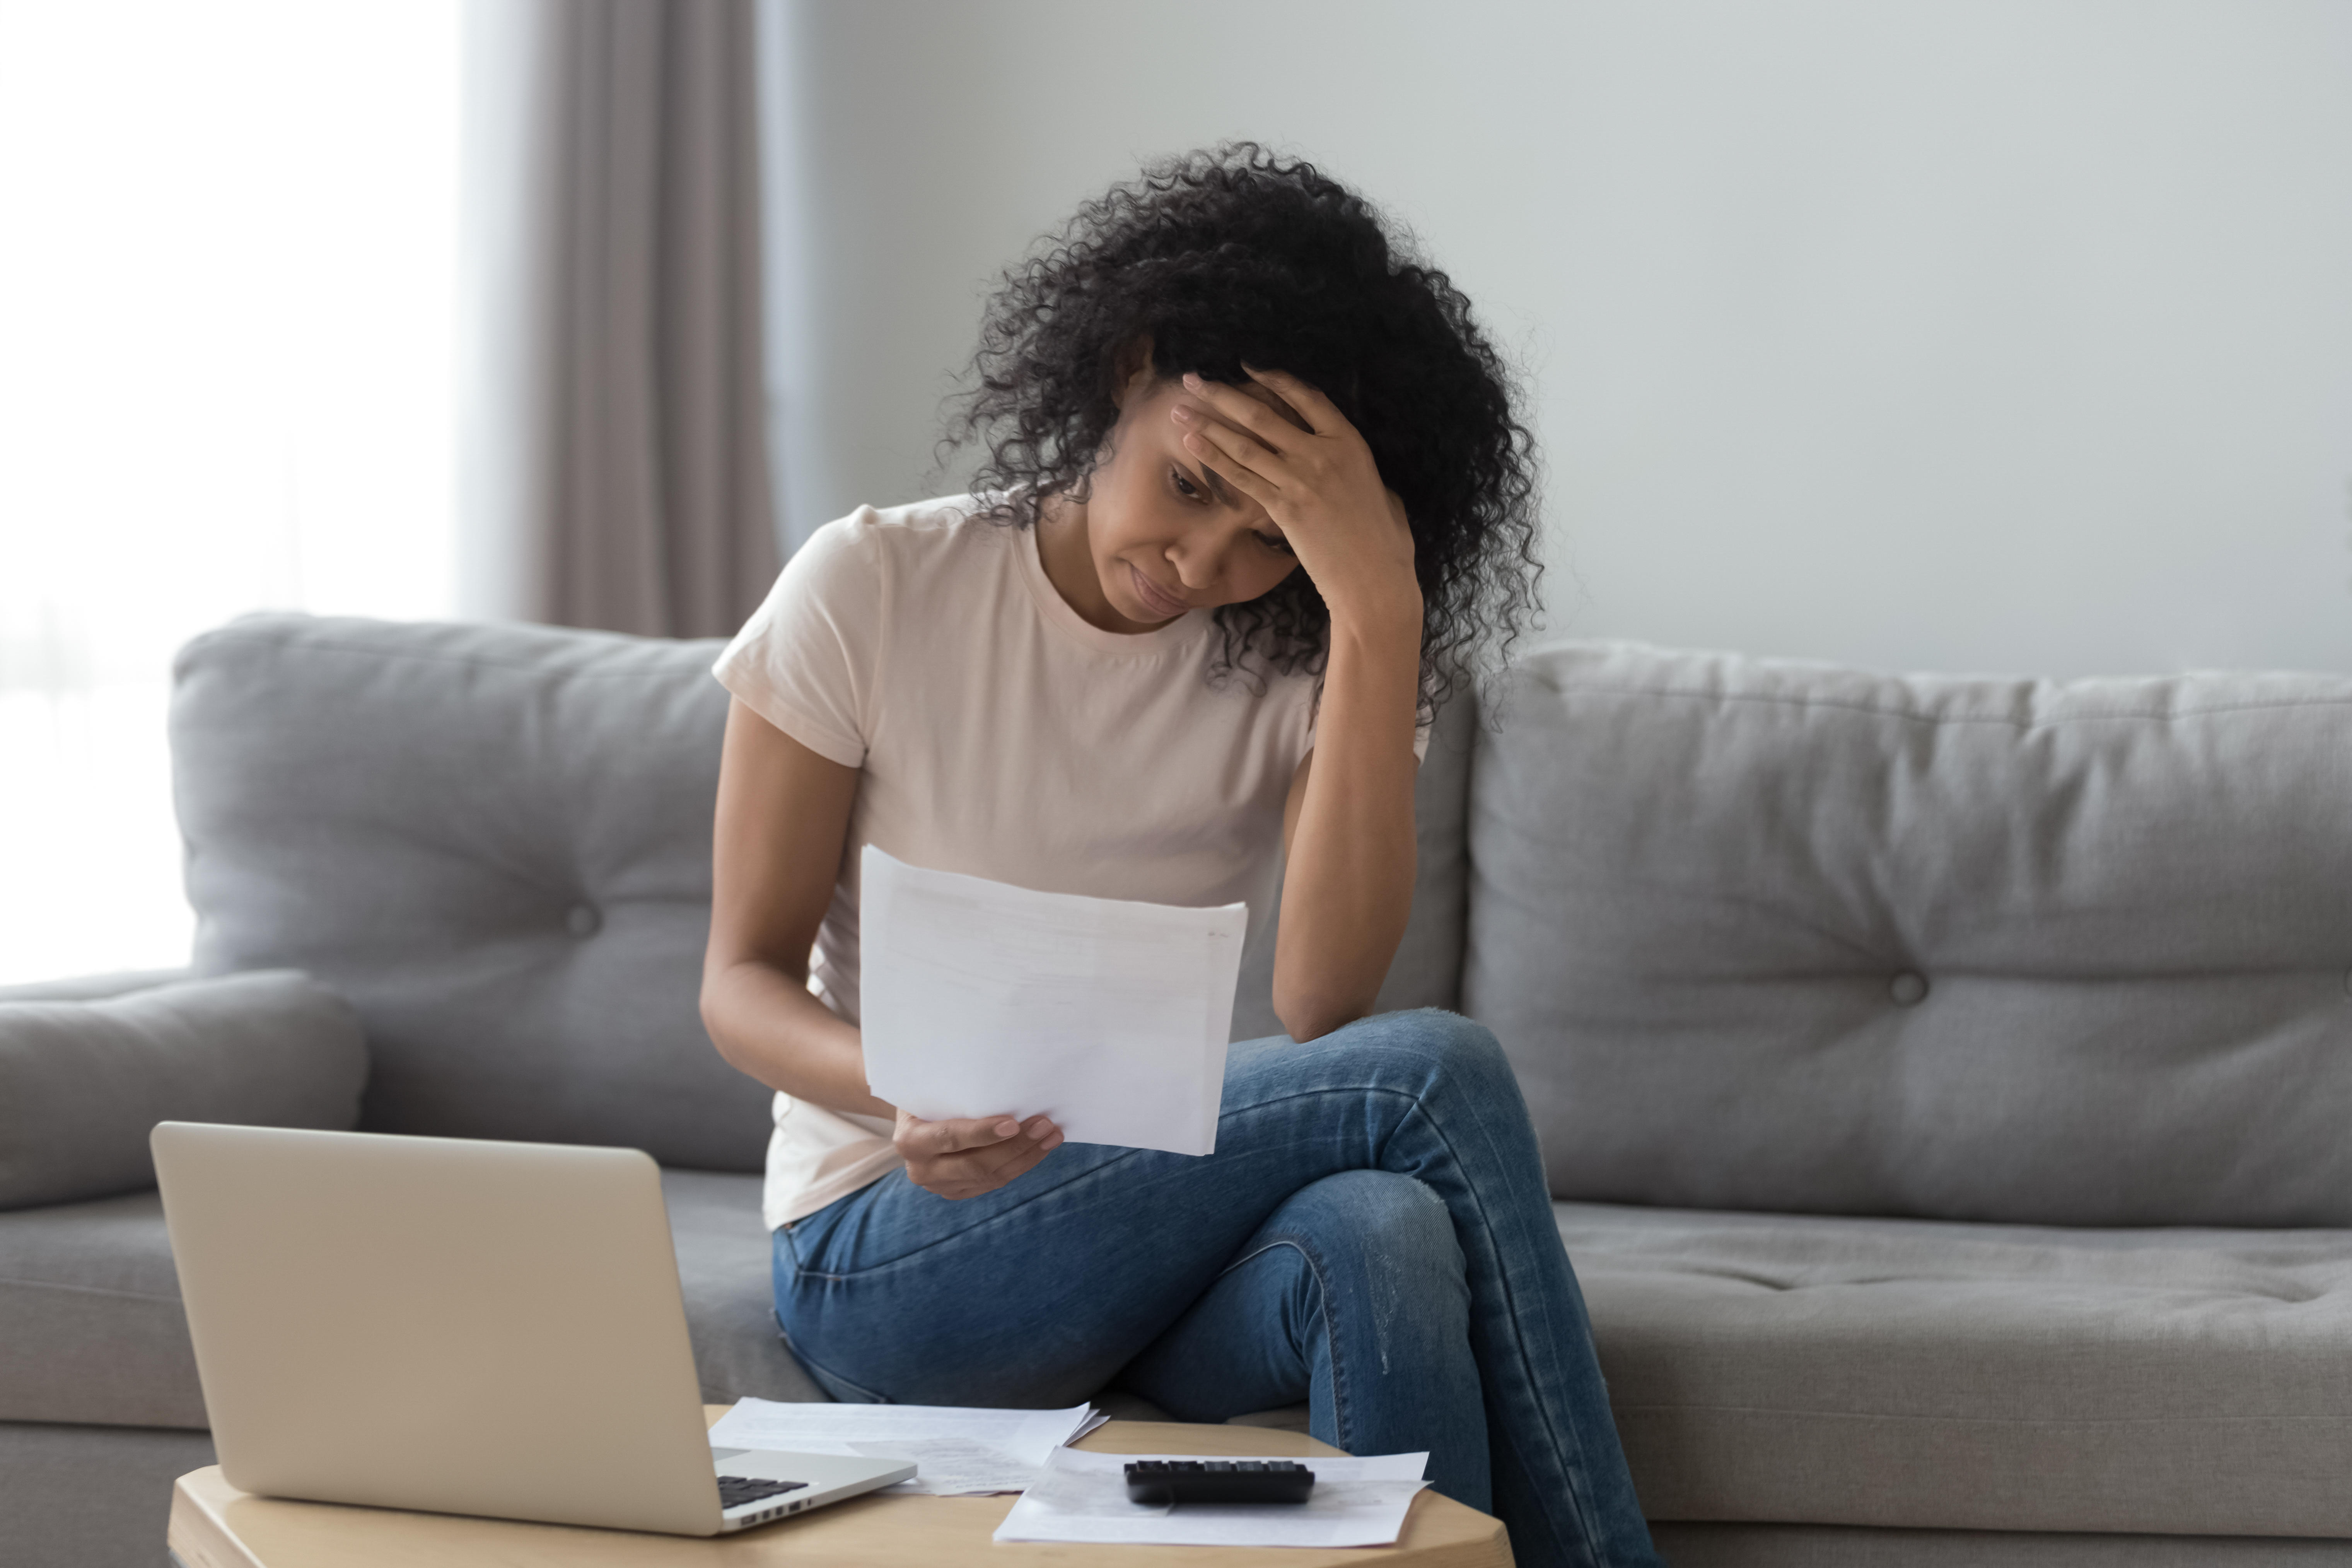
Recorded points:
1253,499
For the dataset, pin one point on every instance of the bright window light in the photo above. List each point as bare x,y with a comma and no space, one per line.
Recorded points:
228,235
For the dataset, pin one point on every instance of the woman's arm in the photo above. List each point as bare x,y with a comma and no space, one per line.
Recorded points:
783,815
1348,826
1348,835
782,820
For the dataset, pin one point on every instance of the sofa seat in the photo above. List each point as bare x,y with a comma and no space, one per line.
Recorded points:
1926,1374
725,1267
92,1286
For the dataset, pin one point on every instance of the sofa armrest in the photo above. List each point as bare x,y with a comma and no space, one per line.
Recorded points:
83,1083
95,987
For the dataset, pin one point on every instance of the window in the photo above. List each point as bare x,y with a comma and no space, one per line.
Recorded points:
226,382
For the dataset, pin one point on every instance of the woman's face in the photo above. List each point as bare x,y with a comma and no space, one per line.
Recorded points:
1166,535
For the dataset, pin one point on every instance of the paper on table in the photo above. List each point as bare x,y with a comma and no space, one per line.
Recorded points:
1083,1497
954,1441
951,1466
977,998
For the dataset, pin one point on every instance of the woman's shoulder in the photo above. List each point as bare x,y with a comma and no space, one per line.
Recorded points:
871,544
940,521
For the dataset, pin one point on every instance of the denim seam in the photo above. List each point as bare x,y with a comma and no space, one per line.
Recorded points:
1577,1493
1579,1490
1109,1164
1563,1444
1087,1174
818,1371
1344,1426
795,1349
960,1234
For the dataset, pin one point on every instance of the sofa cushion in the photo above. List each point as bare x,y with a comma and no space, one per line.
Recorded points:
1849,1546
91,1329
726,1268
91,1317
495,842
93,1497
1912,1372
82,1083
1785,937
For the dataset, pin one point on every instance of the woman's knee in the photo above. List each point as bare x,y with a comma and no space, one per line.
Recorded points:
1374,1223
1447,1041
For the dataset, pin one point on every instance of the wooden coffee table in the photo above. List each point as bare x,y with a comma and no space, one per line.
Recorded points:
214,1525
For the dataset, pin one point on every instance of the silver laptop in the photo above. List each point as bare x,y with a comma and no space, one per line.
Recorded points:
458,1326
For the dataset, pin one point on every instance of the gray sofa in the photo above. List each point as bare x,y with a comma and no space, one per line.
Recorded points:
1945,1081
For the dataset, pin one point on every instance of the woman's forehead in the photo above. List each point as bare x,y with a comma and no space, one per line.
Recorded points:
1249,389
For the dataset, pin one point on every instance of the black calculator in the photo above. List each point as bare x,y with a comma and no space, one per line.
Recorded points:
1164,1481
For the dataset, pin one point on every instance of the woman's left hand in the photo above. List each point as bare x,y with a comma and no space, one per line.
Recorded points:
1320,486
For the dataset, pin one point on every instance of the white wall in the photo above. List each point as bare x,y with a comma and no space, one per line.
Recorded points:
1984,335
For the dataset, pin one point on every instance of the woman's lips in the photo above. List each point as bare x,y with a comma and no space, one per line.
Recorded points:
1153,599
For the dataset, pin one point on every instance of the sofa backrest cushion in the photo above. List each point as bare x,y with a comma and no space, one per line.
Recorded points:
1781,936
494,843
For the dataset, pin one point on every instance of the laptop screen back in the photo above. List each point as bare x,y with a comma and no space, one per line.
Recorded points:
446,1324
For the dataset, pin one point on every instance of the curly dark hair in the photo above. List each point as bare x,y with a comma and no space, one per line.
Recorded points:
1233,253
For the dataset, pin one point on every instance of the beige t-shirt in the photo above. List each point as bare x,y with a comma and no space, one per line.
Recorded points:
999,735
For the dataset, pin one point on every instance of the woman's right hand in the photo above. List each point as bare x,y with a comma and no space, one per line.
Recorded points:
965,1158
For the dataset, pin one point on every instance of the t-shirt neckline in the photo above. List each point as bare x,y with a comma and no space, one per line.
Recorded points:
1059,614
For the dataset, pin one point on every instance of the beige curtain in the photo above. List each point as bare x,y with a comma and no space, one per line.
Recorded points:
617,467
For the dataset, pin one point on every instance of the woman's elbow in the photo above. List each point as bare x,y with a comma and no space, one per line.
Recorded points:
1311,1017
717,1011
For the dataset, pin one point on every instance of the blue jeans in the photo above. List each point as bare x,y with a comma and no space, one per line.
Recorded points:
1372,1235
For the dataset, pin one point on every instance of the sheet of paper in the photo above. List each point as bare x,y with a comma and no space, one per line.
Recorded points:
977,998
951,1466
1083,1497
954,1447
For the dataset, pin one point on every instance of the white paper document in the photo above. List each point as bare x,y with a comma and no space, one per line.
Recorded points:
951,1466
1083,1497
955,1448
977,998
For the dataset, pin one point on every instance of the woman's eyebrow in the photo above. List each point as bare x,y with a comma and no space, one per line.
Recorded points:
1212,484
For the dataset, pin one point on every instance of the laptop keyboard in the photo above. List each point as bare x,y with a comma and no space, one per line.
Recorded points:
734,1491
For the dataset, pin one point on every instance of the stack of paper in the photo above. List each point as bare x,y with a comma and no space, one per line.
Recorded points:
977,998
956,1449
1083,1497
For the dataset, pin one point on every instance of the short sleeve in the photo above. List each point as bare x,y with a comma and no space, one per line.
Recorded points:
806,661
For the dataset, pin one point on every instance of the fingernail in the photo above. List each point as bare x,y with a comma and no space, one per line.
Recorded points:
1180,412
1193,379
1007,1128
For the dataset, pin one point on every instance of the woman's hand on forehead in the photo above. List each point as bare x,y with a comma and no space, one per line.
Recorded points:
1292,451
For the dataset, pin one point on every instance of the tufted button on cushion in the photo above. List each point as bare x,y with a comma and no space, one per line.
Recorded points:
1908,989
582,920
1689,871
